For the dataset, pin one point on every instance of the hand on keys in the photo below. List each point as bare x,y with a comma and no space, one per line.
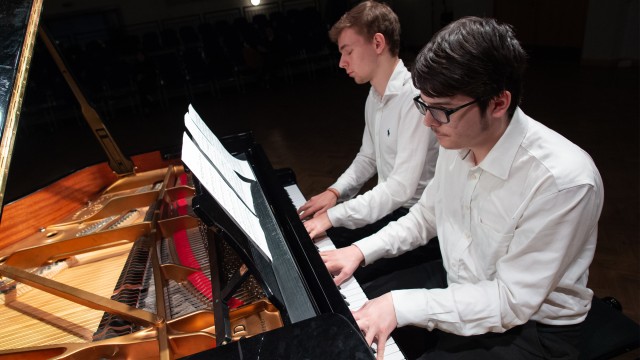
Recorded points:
377,319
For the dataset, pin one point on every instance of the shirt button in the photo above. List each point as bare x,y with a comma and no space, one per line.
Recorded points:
467,235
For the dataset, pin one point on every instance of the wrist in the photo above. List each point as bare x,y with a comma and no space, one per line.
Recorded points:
334,192
359,255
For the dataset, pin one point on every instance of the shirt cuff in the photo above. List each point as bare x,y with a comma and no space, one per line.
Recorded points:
336,214
371,249
409,307
340,188
335,192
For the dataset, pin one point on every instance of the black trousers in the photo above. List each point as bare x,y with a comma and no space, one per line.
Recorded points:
528,341
343,237
531,340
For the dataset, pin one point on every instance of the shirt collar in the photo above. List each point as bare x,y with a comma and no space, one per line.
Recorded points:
397,81
499,160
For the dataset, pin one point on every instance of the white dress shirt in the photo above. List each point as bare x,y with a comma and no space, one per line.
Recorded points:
396,146
517,234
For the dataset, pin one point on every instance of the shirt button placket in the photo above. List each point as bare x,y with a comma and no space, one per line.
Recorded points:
376,131
472,181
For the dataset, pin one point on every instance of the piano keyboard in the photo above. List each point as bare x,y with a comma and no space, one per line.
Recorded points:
350,289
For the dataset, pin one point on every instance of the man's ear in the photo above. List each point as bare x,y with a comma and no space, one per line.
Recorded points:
379,42
499,105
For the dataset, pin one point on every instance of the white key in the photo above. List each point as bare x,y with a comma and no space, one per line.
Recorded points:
350,289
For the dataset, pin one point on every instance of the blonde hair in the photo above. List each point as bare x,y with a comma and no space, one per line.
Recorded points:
368,18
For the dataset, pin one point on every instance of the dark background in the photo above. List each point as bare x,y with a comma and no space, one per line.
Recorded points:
141,63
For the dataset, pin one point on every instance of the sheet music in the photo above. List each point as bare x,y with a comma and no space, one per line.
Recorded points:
216,151
221,190
217,156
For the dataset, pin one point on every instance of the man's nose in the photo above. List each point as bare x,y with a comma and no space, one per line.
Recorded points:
343,63
429,121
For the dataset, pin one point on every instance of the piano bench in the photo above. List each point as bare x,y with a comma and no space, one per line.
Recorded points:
607,332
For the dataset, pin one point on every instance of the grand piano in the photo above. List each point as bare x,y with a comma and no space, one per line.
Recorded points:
134,258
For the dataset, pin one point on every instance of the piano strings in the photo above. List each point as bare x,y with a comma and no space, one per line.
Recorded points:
32,318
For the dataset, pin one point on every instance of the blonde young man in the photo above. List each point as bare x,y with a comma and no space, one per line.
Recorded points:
395,145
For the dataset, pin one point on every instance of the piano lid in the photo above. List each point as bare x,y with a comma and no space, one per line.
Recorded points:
18,26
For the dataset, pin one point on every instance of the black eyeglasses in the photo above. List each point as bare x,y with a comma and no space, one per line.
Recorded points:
439,113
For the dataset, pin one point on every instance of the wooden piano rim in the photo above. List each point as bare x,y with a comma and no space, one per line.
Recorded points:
52,203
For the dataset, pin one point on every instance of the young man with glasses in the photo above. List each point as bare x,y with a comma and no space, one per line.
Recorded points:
395,145
515,207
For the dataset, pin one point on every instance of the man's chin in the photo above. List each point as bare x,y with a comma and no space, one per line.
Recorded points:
445,143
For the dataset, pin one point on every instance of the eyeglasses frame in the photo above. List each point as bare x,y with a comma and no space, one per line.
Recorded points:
423,107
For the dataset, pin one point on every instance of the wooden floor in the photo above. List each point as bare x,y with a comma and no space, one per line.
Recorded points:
313,124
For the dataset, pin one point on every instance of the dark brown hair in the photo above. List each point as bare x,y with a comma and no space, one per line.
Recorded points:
476,57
